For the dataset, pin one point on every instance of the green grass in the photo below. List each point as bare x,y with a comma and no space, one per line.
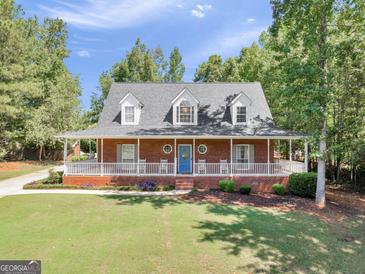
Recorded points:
15,173
23,171
115,234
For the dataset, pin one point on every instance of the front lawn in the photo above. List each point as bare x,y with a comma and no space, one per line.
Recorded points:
13,169
115,234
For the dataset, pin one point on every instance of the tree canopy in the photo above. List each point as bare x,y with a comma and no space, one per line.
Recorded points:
35,85
311,65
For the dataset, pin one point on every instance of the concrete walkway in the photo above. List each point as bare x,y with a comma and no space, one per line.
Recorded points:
14,185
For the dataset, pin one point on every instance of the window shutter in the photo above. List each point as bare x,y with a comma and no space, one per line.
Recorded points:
192,114
177,115
252,153
234,153
119,156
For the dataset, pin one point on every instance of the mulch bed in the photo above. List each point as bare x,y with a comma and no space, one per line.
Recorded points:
346,197
333,212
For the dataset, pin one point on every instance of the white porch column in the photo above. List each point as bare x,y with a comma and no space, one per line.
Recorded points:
306,156
268,156
193,156
65,156
102,157
97,150
79,149
290,156
89,149
138,156
231,155
175,161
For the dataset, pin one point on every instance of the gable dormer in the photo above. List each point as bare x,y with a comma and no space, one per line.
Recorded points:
240,109
185,108
130,110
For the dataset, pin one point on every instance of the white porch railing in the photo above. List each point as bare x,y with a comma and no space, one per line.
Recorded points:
281,168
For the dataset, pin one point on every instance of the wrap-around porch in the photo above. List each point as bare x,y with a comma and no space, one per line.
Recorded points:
187,157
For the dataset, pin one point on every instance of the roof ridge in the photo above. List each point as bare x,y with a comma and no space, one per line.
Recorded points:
184,83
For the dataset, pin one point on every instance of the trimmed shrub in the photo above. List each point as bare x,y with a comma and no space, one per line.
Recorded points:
227,185
36,185
125,188
168,187
303,184
278,189
194,190
81,158
146,186
55,177
245,189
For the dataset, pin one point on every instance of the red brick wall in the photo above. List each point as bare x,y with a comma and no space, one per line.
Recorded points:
217,150
260,149
259,183
110,148
151,149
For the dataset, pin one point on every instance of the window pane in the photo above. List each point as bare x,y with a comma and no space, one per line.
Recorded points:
185,114
128,153
241,114
129,114
242,154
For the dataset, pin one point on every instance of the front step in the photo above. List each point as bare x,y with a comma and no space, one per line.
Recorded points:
184,184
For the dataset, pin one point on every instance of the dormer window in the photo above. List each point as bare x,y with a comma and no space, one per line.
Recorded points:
185,108
240,108
129,116
241,115
131,109
185,113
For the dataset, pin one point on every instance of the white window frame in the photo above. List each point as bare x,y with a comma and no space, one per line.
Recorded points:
185,95
245,165
167,145
125,115
241,123
191,113
122,159
206,149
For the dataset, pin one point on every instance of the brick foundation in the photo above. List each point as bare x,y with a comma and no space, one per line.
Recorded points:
258,183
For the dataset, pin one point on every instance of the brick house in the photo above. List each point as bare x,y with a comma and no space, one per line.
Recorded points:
184,134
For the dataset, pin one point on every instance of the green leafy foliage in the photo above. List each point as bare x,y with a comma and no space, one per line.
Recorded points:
278,189
35,85
303,184
245,189
168,187
311,65
79,158
227,185
176,67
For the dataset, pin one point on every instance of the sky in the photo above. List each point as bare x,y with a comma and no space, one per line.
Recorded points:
102,31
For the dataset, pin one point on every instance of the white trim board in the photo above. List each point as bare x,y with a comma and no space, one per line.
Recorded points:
183,137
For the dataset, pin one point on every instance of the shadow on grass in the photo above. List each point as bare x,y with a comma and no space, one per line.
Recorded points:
275,241
280,241
156,202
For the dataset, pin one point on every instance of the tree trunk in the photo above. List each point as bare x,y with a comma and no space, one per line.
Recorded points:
40,153
321,174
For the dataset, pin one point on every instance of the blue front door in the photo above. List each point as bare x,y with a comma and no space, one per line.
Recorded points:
184,159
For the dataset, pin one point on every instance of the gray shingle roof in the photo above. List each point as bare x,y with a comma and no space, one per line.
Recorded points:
214,117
